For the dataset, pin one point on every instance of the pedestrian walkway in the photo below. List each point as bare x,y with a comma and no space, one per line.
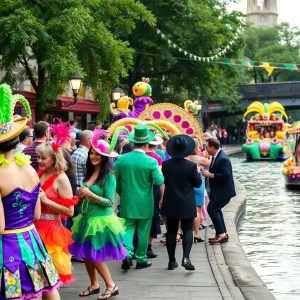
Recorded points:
156,282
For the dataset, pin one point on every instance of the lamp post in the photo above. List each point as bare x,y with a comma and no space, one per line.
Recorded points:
116,94
75,84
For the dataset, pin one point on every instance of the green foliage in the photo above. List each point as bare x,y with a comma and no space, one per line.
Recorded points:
279,44
70,36
201,27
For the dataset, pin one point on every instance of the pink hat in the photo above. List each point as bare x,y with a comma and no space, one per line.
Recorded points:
101,146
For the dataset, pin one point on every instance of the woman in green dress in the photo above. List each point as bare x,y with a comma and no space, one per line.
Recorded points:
97,231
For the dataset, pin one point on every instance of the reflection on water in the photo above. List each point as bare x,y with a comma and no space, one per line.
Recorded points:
270,230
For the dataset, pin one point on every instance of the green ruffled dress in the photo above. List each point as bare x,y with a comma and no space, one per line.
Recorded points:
97,231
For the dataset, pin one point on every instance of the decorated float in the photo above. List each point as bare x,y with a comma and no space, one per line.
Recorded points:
266,132
291,168
171,118
142,91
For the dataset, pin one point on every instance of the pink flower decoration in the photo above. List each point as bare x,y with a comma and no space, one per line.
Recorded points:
275,141
249,141
265,146
102,146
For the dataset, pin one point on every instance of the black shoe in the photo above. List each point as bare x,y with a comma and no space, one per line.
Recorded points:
127,263
151,254
198,240
172,265
143,265
187,264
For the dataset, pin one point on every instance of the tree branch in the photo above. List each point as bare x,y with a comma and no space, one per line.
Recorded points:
165,72
29,72
38,4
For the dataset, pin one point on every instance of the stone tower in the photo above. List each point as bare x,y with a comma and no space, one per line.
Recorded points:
262,13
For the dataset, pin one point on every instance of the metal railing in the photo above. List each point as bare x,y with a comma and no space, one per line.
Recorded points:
270,90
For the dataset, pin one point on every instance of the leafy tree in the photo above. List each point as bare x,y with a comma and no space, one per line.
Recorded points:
279,44
201,27
52,39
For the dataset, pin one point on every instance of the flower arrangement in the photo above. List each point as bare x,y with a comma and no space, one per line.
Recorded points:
289,169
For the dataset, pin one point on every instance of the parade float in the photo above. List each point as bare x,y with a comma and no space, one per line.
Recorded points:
266,138
170,117
291,168
142,91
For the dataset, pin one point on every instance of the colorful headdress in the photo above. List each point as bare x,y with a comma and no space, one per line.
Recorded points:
101,146
11,127
62,132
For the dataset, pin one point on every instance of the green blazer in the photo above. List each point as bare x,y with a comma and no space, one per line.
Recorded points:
136,172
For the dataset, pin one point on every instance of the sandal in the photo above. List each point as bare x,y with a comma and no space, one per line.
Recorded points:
201,227
180,237
90,290
110,293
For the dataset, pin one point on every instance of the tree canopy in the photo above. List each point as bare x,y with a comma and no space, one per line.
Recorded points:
70,36
201,27
279,44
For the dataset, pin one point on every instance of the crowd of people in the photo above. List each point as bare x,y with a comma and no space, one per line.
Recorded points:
219,133
97,198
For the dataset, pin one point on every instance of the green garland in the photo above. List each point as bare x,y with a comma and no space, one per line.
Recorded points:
115,137
22,100
158,129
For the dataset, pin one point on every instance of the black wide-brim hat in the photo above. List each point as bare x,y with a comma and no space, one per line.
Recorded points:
180,146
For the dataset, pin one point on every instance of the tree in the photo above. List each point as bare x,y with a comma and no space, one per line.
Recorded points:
201,27
279,44
64,37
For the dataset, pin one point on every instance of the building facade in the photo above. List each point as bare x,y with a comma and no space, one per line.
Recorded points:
84,111
262,13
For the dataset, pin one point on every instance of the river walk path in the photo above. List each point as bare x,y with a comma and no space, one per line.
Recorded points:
213,279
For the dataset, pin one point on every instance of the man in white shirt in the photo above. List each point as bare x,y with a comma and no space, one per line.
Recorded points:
25,140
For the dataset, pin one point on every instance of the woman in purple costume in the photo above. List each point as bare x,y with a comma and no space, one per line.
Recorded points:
97,231
26,269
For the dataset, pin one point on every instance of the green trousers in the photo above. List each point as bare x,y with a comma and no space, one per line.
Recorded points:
143,227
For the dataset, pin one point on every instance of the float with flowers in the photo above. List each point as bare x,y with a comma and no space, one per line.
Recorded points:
266,132
291,168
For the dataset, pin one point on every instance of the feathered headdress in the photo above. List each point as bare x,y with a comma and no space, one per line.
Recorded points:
62,132
10,127
101,146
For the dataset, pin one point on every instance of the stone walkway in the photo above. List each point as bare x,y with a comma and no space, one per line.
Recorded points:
156,282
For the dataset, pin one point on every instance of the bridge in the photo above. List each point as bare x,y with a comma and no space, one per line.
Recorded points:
286,93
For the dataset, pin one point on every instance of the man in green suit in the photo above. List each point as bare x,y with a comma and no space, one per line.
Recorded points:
136,172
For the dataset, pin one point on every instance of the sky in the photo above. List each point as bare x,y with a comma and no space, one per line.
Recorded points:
288,10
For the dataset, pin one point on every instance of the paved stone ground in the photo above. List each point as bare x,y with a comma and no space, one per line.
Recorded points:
157,282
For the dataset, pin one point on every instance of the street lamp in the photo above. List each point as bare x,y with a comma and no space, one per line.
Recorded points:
75,84
116,94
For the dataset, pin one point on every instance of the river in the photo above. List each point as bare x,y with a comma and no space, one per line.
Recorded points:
270,230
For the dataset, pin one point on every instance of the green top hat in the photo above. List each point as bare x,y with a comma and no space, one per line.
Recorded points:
141,135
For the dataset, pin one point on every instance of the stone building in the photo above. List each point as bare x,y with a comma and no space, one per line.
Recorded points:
262,13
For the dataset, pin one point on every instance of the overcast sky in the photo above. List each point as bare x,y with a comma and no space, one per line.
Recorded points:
288,10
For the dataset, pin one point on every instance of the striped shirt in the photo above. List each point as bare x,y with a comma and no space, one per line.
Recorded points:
79,158
30,150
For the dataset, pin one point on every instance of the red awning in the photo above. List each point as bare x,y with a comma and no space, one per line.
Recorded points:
82,105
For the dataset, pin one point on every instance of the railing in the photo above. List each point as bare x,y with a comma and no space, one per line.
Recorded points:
270,90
